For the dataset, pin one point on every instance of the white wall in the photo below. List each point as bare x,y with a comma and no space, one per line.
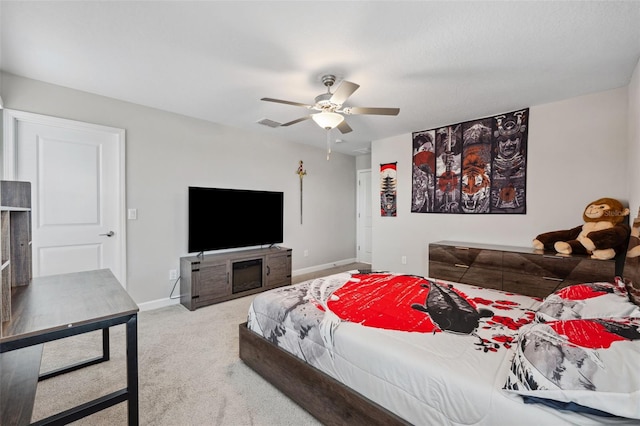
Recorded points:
167,152
363,162
633,176
577,152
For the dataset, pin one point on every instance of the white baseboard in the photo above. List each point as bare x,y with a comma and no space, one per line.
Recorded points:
157,304
321,267
161,303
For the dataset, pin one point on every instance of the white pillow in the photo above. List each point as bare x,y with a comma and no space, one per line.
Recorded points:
592,363
588,300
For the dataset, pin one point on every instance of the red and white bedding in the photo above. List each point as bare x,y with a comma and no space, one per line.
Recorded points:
431,351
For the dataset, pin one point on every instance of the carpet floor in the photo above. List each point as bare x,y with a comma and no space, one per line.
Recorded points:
189,371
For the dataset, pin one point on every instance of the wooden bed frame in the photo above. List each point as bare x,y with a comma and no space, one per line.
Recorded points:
328,400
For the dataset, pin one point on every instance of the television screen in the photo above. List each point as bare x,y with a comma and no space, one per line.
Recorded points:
231,218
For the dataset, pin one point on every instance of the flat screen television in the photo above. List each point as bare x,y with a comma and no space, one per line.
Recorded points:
222,218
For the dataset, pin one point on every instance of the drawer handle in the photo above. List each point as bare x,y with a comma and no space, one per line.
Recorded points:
553,279
460,265
550,256
461,248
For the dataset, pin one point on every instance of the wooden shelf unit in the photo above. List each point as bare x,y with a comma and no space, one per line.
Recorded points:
15,241
209,279
520,270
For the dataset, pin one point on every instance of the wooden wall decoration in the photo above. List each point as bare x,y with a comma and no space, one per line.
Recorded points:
475,167
301,172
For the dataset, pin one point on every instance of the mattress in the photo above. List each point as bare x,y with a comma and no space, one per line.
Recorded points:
430,351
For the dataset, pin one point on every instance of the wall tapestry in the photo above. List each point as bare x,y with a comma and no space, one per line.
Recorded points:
388,189
479,166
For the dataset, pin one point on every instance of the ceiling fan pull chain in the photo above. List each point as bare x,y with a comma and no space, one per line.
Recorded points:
328,143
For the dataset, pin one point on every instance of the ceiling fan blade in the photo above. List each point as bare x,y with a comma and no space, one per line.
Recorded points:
296,121
280,101
343,91
372,111
344,127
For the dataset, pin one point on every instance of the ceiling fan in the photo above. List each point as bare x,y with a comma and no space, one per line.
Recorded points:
330,106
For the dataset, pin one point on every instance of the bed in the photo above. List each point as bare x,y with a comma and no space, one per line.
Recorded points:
364,347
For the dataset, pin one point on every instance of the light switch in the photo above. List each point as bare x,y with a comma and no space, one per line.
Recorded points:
132,214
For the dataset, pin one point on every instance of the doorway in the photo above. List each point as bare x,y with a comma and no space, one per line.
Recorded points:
77,180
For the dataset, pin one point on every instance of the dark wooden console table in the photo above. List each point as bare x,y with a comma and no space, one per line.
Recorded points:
56,307
522,270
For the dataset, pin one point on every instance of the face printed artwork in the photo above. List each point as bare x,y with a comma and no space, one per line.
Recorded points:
475,167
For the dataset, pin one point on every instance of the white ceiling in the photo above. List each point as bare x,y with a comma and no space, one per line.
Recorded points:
439,62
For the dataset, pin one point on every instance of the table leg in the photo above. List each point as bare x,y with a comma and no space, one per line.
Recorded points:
132,370
105,344
105,357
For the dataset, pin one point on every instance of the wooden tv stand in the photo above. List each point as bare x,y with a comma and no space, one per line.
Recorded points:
217,277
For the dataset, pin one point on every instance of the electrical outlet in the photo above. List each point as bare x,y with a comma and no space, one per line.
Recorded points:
306,253
173,274
132,214
404,260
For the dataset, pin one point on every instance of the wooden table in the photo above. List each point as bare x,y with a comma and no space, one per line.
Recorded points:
56,307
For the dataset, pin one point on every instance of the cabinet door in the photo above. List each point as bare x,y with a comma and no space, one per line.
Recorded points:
449,262
446,271
278,269
593,270
211,282
531,285
483,277
452,255
539,265
467,265
539,275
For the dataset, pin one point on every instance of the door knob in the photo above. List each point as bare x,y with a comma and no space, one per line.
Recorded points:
109,234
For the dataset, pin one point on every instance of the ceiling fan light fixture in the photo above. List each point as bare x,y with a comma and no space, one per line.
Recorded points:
327,120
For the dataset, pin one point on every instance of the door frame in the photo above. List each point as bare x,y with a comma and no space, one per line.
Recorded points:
11,118
359,219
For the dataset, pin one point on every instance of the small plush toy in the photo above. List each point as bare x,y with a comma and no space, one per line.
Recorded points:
602,235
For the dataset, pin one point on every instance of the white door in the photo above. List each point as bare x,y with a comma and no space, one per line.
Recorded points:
364,216
76,172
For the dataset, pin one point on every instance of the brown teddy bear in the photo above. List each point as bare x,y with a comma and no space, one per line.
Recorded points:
602,235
